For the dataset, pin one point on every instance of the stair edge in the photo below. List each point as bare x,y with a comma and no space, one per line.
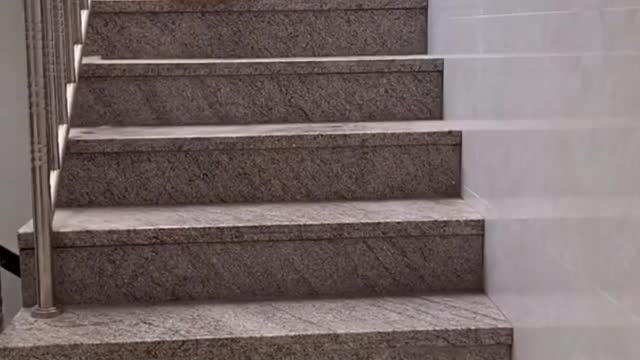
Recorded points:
162,6
95,67
461,220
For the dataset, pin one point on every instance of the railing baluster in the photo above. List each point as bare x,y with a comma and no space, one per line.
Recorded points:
61,83
77,22
50,80
54,33
70,51
41,192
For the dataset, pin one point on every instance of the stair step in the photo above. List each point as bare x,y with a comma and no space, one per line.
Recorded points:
245,91
128,166
434,327
256,29
252,251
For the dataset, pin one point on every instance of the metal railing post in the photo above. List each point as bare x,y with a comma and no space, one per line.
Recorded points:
55,35
52,102
61,81
39,106
77,21
70,48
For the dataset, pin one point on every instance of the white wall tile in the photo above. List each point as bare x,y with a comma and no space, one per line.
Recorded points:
553,87
15,204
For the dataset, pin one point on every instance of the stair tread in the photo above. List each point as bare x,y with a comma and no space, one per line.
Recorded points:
436,320
302,135
128,6
97,67
262,221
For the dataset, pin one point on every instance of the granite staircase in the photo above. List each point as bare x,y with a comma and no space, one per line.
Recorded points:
261,179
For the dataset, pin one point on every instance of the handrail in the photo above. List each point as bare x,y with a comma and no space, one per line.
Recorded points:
55,31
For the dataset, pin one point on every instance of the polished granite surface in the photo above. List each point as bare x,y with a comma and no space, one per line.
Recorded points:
267,329
98,67
254,222
261,136
252,251
194,269
284,174
100,6
245,93
258,33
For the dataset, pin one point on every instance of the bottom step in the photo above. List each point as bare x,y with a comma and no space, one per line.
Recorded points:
452,327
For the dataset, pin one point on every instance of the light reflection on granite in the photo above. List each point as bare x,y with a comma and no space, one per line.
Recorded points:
254,34
403,328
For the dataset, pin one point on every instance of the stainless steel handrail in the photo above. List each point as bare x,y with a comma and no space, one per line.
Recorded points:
55,33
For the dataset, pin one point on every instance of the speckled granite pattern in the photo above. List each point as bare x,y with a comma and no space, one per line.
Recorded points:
77,227
96,67
241,99
161,212
391,328
264,269
252,349
255,34
261,136
147,6
256,175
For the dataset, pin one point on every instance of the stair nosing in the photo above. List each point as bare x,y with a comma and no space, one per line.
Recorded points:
95,67
164,6
420,320
337,220
106,139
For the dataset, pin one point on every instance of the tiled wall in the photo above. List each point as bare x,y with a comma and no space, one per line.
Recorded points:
15,201
552,88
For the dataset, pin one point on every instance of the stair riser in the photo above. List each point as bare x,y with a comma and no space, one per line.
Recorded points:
284,98
276,349
244,271
252,34
260,175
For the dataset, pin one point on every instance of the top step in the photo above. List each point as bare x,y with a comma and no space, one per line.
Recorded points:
147,29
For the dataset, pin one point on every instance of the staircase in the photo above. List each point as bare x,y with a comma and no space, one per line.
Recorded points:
246,179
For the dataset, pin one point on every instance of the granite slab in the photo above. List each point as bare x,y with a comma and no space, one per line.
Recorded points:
249,251
128,93
433,327
259,175
367,266
98,67
273,29
131,166
112,226
261,136
150,6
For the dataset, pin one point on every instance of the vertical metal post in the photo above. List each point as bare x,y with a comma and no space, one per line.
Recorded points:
60,74
77,22
42,211
52,102
1,313
70,47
